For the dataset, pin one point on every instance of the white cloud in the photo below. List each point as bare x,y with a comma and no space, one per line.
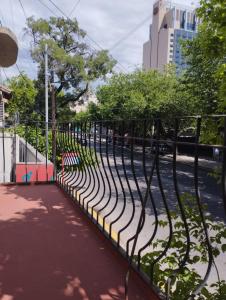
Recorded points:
106,22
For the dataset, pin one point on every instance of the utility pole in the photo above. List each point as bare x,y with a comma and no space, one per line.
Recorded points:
53,100
46,100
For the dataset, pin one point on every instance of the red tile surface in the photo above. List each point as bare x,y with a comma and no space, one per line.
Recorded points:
50,250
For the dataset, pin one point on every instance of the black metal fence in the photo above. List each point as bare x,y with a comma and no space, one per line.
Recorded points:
156,189
158,193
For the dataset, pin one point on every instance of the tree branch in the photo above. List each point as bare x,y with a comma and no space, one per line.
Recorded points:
75,98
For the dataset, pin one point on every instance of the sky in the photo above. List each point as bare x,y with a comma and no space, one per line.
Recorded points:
107,22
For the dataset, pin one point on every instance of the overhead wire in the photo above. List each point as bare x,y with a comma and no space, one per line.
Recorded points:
58,8
7,78
130,32
22,7
88,36
20,72
73,9
64,14
12,13
57,15
46,6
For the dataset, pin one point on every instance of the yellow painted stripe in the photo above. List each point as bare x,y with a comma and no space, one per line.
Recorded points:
95,215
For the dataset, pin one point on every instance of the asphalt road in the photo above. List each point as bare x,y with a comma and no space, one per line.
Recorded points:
116,188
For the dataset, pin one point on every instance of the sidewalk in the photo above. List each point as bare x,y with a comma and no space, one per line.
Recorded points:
50,250
206,164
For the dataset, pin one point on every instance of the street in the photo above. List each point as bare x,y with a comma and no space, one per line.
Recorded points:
115,189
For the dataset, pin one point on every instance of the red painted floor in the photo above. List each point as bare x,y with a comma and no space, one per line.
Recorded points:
50,251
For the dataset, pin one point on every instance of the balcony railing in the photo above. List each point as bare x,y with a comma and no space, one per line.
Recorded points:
157,191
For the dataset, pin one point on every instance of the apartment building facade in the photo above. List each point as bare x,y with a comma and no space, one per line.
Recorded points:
171,23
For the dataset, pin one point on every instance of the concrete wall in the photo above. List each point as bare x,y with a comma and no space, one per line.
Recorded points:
163,49
7,157
159,11
13,151
147,56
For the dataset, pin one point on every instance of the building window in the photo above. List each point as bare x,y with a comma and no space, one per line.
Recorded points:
171,40
182,18
172,34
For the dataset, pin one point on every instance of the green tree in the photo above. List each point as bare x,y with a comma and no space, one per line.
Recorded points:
184,280
71,59
200,78
23,97
142,95
206,73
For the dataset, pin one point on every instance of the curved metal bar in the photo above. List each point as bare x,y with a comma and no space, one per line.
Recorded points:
79,176
99,177
137,186
60,148
93,171
70,149
77,150
120,182
83,171
87,174
73,150
100,172
114,182
130,190
183,215
198,200
140,222
151,198
67,146
88,167
112,177
165,204
66,175
94,187
63,146
105,174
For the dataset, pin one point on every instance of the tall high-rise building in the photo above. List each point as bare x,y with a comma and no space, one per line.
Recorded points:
171,23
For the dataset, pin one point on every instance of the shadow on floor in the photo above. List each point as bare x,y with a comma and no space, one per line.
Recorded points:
50,250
